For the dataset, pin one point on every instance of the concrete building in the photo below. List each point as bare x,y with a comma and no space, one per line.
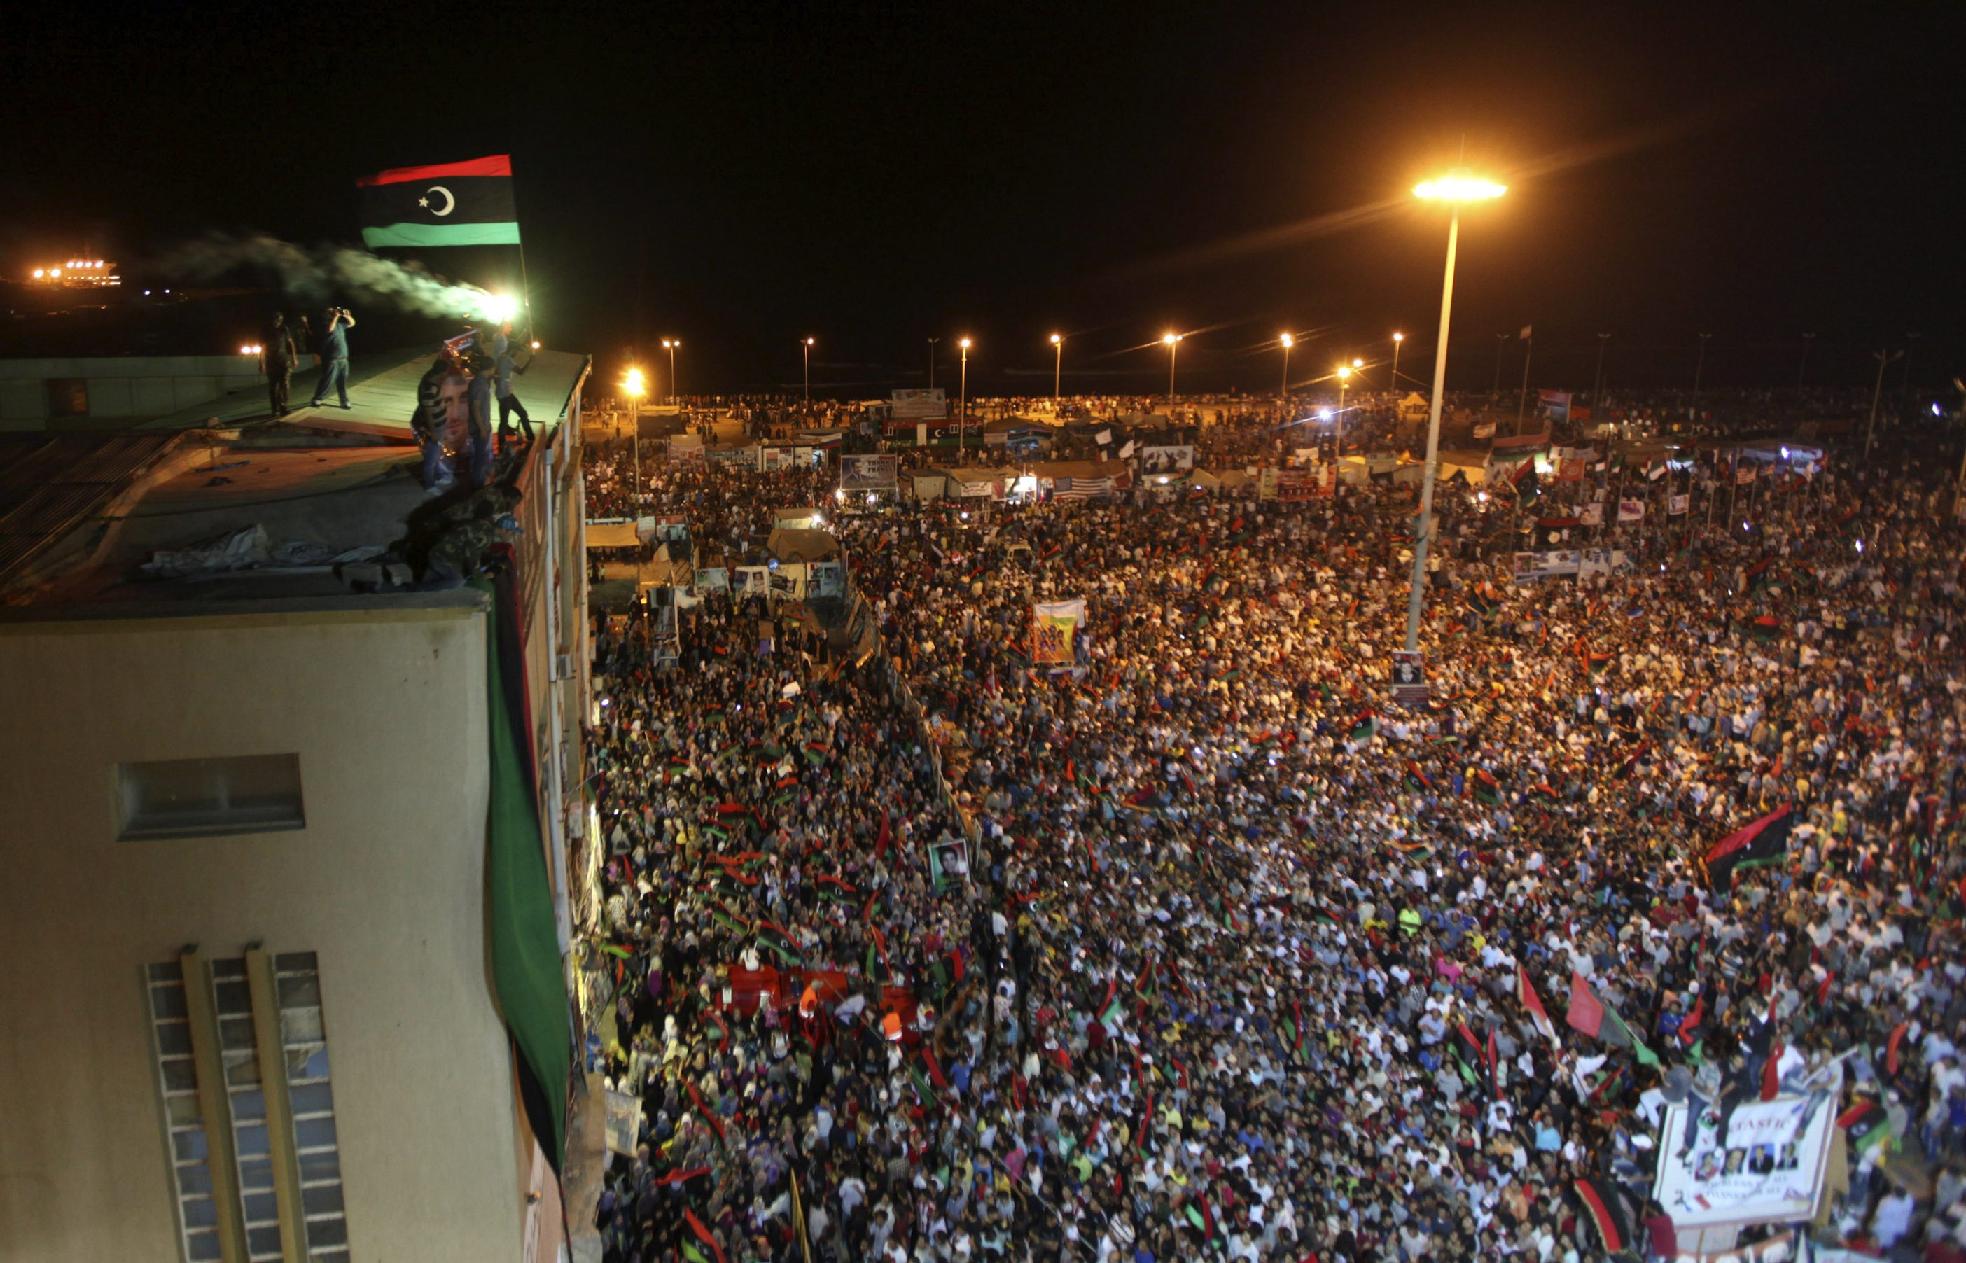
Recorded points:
280,828
91,392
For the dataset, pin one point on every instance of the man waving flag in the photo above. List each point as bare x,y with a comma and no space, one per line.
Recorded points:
451,204
1525,992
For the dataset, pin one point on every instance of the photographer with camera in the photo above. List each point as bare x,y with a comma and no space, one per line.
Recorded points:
336,321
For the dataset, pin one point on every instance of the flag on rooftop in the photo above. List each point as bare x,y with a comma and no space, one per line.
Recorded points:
466,203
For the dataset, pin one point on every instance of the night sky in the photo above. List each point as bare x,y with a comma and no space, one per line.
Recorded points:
741,177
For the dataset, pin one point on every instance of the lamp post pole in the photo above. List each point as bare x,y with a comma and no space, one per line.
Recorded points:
1344,376
1057,366
806,347
1700,364
1393,384
931,362
1597,382
962,416
1877,393
1287,341
1416,593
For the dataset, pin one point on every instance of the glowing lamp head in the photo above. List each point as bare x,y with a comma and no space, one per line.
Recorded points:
1169,338
1287,341
1399,337
1357,362
54,271
535,341
666,344
1057,338
1344,372
39,273
963,343
632,383
1459,187
810,341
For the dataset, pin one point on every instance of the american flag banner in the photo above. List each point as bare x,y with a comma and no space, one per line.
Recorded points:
1081,488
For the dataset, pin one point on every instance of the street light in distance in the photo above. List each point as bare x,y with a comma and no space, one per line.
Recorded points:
1457,189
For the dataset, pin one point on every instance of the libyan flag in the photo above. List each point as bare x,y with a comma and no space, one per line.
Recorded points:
451,204
1591,1015
1609,1211
1764,842
525,949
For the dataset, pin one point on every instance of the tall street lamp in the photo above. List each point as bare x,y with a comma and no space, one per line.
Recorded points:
1057,366
1286,341
1455,190
806,347
632,385
1170,340
670,345
1398,338
1597,382
962,416
1344,379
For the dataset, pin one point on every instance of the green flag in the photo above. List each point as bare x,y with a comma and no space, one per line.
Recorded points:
525,945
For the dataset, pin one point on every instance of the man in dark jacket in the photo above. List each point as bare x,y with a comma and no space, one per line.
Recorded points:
276,360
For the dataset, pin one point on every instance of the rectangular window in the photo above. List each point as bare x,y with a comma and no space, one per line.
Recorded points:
301,1034
184,1124
68,397
304,1037
180,798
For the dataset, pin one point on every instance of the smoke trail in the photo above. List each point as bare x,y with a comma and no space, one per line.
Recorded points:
335,272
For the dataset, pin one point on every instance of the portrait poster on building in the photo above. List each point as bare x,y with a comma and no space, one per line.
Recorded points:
869,472
1167,460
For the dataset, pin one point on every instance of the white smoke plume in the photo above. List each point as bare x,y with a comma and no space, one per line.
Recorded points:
339,273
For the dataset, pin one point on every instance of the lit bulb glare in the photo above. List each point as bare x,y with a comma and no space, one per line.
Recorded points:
1459,188
1170,338
632,383
1287,341
1056,338
1399,337
1344,372
963,343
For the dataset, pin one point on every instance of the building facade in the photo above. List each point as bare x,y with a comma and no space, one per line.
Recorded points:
259,926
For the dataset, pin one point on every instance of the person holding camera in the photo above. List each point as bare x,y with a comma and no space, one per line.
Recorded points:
336,322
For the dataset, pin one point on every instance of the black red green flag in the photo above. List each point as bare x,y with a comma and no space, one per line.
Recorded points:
1865,1125
466,203
1606,1206
1756,845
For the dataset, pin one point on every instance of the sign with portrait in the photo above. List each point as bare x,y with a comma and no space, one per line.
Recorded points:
1766,1165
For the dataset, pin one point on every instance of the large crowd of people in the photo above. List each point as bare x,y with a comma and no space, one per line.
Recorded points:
1194,944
